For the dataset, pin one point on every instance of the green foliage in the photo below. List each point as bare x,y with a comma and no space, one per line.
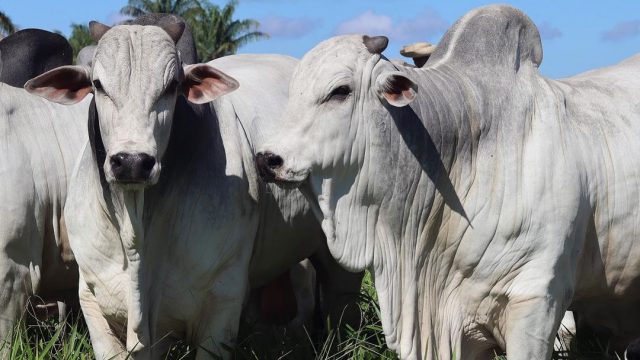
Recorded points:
215,30
80,37
6,25
184,8
48,340
217,34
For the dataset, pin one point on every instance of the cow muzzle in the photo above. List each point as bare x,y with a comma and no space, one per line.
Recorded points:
267,164
271,169
132,168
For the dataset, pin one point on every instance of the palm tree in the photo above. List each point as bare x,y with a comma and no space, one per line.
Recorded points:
80,37
218,34
184,8
6,25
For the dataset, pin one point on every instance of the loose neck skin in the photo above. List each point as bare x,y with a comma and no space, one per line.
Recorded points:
125,208
429,169
131,229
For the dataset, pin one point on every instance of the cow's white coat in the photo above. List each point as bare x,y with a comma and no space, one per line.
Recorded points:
39,143
490,204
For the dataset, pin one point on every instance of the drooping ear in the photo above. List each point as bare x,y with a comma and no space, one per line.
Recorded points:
64,85
97,30
203,83
397,89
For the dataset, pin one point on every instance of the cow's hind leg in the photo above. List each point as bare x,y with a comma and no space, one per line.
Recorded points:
20,254
15,288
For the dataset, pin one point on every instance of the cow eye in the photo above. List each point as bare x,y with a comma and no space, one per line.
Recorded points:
98,85
340,93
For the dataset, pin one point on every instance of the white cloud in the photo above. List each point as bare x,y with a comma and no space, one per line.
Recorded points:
367,23
116,18
548,31
623,30
278,26
426,25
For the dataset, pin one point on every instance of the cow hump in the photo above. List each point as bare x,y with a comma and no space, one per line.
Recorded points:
491,36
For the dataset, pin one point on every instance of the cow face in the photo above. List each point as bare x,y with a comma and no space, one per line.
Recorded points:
334,121
136,76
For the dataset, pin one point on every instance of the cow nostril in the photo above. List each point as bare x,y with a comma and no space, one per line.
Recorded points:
274,161
117,160
147,162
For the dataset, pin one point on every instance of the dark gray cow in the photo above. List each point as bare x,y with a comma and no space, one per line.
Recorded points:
31,52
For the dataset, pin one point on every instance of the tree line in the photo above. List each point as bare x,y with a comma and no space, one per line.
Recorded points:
216,32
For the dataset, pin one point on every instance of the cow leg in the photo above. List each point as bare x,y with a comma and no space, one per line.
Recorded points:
15,288
20,252
303,279
106,344
565,334
531,327
340,289
220,316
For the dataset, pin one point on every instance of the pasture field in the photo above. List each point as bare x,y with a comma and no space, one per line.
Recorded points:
48,340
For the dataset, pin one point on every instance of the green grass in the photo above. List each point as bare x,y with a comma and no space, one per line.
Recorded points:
49,340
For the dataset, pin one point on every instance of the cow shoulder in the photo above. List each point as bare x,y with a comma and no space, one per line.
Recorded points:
495,36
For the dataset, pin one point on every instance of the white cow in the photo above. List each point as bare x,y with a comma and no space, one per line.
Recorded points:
288,230
165,202
39,143
485,198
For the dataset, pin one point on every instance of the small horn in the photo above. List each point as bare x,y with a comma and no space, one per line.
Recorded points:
172,26
375,44
97,30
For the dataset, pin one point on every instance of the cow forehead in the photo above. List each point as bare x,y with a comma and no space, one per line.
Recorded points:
129,51
334,57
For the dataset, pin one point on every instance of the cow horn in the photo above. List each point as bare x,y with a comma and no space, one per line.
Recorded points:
173,26
375,44
97,30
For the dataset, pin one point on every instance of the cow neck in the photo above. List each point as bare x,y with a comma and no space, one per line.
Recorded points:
190,139
126,209
432,150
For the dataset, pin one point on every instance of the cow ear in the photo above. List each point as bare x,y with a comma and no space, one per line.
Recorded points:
64,85
397,89
203,83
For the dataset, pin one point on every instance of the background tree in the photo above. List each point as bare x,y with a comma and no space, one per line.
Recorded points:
6,25
80,37
218,34
215,31
187,9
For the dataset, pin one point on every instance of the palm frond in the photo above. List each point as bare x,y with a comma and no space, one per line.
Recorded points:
6,25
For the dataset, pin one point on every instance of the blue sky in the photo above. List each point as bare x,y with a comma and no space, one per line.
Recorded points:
577,35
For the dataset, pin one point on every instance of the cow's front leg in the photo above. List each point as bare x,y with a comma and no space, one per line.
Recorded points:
106,344
220,317
531,326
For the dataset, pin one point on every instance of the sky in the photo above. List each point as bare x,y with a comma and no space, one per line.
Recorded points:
577,35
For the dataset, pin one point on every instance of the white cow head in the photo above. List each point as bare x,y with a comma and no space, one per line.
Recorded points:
339,94
136,77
